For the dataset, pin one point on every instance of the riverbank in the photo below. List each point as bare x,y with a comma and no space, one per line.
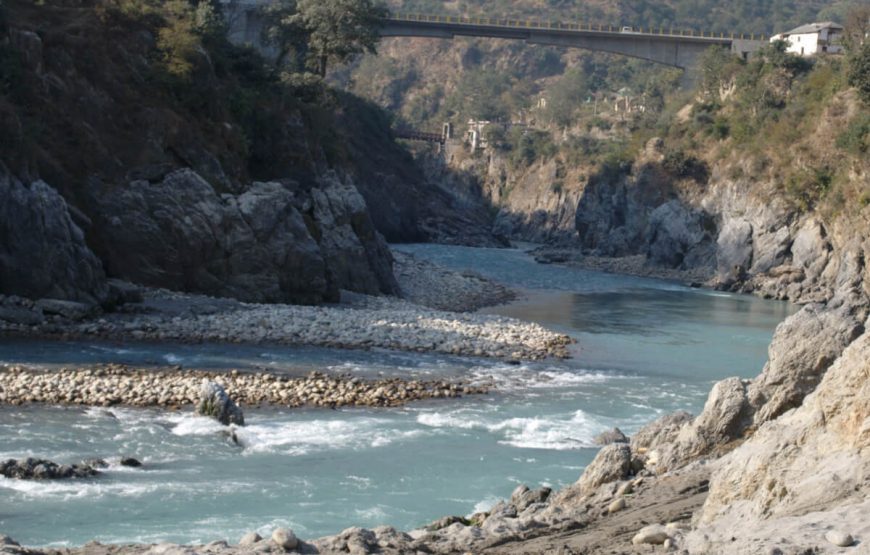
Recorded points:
358,322
635,265
113,384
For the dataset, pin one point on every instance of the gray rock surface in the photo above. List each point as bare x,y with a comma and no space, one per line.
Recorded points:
614,435
216,403
249,539
660,431
804,346
42,251
725,416
612,463
272,243
41,469
801,474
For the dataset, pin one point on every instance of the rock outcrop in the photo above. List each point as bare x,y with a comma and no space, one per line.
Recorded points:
272,243
735,233
41,469
42,251
809,466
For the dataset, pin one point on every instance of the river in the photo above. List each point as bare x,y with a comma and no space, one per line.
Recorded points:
644,347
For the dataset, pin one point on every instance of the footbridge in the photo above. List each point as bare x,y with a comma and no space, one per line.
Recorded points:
673,47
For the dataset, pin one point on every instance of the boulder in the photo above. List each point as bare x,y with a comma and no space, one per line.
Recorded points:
250,539
130,462
840,539
41,469
214,402
123,292
655,534
21,315
285,538
68,309
531,497
660,431
725,416
42,251
616,505
610,436
612,463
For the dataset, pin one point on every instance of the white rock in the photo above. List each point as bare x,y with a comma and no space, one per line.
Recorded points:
654,533
284,537
616,506
840,539
250,538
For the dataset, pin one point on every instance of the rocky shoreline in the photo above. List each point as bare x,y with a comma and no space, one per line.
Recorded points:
114,384
358,322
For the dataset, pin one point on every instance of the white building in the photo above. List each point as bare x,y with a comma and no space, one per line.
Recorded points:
813,38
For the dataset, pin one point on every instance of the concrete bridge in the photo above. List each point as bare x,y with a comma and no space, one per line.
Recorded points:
673,47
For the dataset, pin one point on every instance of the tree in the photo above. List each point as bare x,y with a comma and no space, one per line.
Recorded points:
566,96
285,31
859,71
339,29
857,28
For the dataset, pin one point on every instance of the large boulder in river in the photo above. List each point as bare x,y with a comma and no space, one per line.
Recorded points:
42,251
41,469
275,242
216,403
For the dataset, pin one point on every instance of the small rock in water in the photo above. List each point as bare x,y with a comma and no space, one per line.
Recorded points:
284,537
655,534
40,469
250,538
214,402
130,461
840,539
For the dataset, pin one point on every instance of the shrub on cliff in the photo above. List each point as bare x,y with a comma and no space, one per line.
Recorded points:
859,70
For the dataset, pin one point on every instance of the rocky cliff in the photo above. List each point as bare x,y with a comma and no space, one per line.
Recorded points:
226,180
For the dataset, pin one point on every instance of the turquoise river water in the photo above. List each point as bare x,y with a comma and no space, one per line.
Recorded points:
644,347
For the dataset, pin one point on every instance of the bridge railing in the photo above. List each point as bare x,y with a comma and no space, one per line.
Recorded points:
579,26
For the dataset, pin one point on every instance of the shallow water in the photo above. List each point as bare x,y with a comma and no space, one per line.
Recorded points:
645,347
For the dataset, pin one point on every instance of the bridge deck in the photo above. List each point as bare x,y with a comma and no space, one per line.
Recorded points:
476,25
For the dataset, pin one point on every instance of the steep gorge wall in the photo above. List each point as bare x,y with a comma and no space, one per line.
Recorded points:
224,182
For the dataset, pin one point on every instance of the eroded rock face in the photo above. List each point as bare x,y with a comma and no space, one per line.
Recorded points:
273,243
803,348
42,251
807,463
660,431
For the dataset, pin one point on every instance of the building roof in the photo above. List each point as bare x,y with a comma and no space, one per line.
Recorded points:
814,28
